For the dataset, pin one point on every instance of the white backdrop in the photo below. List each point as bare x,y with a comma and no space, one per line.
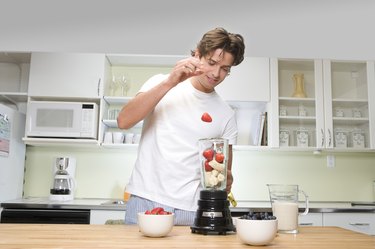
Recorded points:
272,28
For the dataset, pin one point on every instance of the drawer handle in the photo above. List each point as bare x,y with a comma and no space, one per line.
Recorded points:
306,224
359,224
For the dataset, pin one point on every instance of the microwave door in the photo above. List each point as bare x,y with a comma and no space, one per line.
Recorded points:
55,122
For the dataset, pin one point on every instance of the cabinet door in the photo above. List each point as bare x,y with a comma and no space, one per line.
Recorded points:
296,119
102,216
348,120
66,75
248,81
311,219
335,111
358,222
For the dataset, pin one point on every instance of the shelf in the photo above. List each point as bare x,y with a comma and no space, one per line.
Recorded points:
291,100
297,119
350,121
13,98
60,142
119,146
111,123
349,103
111,100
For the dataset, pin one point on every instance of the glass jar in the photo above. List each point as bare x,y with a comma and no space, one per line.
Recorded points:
356,113
358,138
339,112
283,110
284,137
341,138
302,137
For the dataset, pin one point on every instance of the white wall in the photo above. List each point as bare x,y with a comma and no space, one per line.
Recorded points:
271,28
103,173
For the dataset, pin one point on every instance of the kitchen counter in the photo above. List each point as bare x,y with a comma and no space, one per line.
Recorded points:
314,207
128,236
243,206
45,203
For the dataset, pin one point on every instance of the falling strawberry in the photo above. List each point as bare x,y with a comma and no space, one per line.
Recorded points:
206,117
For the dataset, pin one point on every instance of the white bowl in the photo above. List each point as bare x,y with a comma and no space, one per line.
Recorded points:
256,232
155,225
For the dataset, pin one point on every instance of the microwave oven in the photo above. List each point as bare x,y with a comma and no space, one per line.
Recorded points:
55,119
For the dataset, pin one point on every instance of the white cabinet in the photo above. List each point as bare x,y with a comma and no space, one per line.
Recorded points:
311,219
293,119
111,108
335,112
249,81
14,78
68,75
358,222
348,100
100,217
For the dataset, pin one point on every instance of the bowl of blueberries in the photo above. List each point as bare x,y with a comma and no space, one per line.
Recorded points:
256,228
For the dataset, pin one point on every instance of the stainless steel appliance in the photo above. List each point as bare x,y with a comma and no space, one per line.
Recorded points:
45,216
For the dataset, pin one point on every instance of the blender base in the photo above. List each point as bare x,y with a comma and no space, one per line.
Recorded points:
213,215
212,230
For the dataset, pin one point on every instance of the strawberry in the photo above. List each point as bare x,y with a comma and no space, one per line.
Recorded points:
219,157
157,210
164,212
208,154
206,117
148,212
207,166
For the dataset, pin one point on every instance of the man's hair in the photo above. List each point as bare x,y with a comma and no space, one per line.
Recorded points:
219,38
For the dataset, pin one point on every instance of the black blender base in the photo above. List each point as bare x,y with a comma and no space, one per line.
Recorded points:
220,230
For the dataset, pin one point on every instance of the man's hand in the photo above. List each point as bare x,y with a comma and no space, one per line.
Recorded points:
185,69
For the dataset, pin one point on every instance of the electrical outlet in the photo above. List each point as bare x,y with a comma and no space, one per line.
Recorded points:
330,161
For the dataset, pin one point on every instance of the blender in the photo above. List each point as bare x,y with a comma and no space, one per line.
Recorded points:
63,183
213,215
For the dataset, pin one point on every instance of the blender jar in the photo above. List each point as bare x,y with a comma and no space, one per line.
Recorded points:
213,155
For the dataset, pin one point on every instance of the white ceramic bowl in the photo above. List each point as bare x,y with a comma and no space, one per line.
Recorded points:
256,232
155,225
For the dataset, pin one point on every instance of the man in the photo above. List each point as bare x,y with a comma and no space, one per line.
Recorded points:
167,170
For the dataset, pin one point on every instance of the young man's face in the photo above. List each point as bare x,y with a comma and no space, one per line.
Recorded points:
216,66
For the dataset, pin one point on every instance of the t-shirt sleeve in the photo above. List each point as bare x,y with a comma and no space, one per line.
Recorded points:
151,82
231,131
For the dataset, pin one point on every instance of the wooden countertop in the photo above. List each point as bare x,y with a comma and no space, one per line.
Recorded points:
125,236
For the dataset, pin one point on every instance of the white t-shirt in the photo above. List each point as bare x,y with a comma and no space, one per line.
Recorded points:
167,169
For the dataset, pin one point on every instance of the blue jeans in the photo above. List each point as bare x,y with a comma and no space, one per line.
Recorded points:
137,204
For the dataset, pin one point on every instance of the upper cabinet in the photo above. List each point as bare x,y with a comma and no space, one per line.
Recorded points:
14,77
322,104
68,75
348,99
249,81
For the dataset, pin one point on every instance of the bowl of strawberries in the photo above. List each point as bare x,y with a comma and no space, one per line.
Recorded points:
155,222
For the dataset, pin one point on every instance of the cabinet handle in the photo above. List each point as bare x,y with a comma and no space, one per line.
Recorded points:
329,138
359,224
321,130
99,86
306,224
